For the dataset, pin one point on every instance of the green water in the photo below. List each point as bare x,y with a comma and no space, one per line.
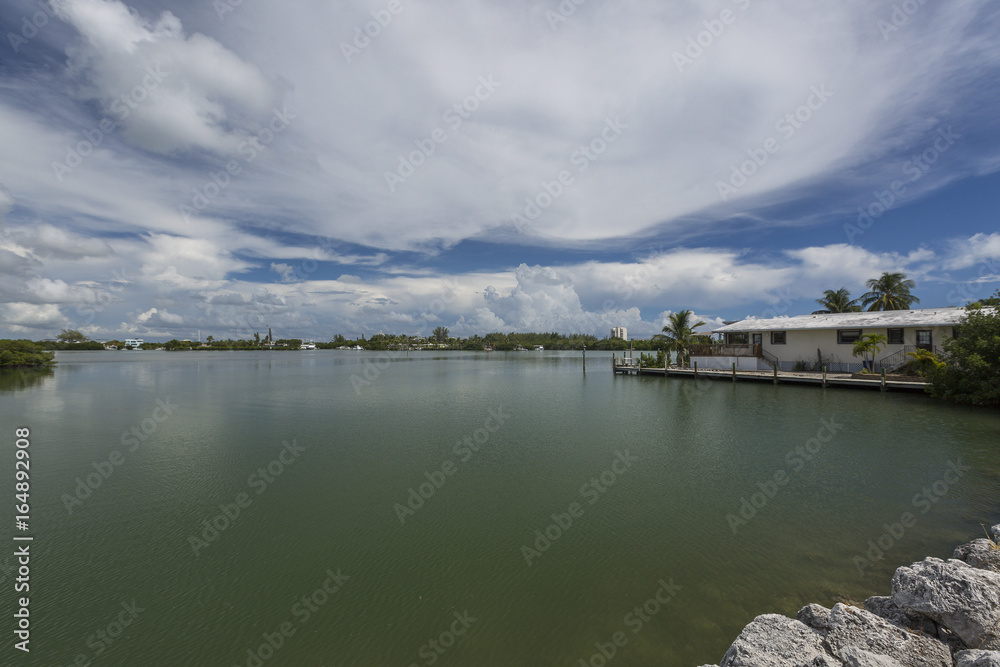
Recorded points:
694,450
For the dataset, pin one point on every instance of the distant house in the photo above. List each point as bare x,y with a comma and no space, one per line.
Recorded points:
826,339
133,342
619,332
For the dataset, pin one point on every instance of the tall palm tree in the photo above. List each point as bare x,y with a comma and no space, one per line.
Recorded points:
838,301
679,329
890,291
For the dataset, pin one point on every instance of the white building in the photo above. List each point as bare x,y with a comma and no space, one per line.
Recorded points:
619,332
809,342
133,342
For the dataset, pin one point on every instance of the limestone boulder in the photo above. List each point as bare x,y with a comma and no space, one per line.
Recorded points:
979,553
954,594
772,640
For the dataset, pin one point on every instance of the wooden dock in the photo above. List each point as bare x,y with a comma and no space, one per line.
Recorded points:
775,376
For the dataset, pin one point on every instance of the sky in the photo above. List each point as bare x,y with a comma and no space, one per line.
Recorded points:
222,167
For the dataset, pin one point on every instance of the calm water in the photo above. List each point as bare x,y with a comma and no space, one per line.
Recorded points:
456,563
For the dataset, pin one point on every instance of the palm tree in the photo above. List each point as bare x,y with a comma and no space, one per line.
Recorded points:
867,346
838,301
890,291
678,330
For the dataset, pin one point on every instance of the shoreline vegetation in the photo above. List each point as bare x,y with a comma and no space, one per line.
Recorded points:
496,341
24,354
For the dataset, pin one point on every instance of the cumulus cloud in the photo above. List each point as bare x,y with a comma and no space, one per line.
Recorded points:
32,318
154,317
168,91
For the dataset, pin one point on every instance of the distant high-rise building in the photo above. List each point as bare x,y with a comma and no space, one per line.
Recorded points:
619,332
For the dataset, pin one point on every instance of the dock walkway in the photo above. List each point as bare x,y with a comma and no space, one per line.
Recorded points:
775,376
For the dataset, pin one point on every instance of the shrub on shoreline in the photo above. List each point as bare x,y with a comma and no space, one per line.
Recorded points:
23,353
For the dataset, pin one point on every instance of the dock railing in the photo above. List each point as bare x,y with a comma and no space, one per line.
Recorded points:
722,350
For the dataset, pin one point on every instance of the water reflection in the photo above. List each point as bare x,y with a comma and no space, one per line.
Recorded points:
16,379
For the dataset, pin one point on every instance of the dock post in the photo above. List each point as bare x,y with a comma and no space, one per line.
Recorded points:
824,376
734,371
776,374
883,379
585,359
696,369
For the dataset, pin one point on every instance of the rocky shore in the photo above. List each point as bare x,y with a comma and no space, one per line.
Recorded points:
942,613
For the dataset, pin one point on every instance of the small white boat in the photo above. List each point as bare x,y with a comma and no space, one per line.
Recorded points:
539,348
307,346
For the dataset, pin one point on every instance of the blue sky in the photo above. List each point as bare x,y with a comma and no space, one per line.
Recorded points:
169,168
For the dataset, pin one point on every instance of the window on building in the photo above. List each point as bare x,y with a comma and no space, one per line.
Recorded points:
777,338
895,336
848,336
923,337
737,338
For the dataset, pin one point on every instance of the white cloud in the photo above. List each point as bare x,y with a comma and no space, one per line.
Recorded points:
979,248
154,317
32,318
169,92
50,241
